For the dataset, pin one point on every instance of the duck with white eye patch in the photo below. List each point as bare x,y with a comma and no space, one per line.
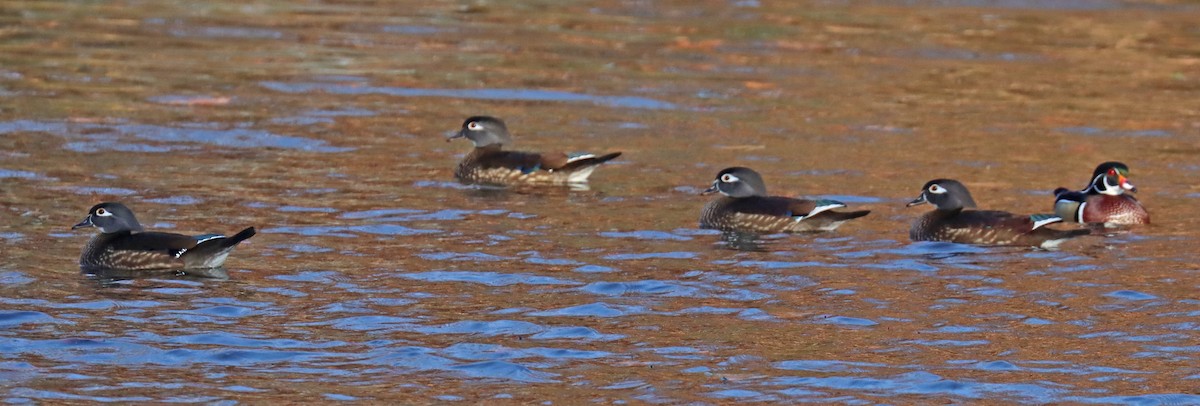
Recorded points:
488,164
1106,200
745,207
952,221
123,245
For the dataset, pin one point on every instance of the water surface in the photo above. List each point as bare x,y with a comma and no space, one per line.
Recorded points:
377,278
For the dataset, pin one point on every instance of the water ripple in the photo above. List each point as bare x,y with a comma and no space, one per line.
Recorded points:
479,352
923,383
827,366
1131,295
486,94
645,235
11,318
653,255
485,278
504,370
593,310
18,174
99,137
13,277
670,289
347,231
122,351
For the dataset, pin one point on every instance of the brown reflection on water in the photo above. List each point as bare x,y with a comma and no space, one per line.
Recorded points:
375,277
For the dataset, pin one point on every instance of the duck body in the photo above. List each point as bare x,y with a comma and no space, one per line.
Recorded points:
989,227
746,207
122,245
489,164
1107,200
774,214
952,221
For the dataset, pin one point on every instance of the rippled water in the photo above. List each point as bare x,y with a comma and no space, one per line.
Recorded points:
376,277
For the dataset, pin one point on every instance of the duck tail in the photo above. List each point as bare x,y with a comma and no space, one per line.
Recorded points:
584,161
211,253
239,237
848,215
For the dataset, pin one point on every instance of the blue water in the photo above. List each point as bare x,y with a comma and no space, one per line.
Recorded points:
198,324
633,102
92,137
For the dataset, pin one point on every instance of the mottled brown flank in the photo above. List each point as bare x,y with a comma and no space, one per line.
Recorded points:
847,98
492,166
770,215
986,228
100,253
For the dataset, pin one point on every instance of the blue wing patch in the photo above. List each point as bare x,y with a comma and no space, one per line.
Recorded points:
575,156
823,205
205,237
1043,219
531,169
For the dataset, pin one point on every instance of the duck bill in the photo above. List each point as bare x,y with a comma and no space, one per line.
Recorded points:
459,134
1127,186
711,189
918,201
87,222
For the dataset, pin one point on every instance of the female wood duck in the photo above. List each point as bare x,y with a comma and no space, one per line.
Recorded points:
951,222
746,207
1104,201
122,245
489,165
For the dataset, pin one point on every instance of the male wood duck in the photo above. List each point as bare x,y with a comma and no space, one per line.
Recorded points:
953,223
487,164
122,245
1103,201
746,207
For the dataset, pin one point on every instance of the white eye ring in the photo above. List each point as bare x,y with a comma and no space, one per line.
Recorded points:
474,126
728,178
103,213
936,189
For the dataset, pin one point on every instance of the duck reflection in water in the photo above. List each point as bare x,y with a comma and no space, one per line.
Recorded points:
743,241
108,278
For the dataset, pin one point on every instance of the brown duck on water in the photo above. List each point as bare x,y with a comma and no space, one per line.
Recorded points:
488,164
746,207
122,245
951,221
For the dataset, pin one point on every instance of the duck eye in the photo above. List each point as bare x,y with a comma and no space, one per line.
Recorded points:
935,188
474,126
1112,172
102,212
727,178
